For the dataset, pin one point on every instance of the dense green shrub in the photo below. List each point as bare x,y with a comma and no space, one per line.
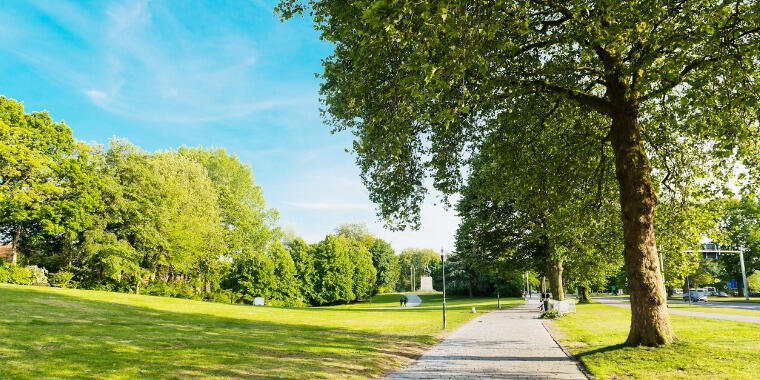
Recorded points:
15,274
255,276
61,279
170,289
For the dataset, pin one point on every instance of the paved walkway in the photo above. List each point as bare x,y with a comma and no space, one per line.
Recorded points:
623,303
505,344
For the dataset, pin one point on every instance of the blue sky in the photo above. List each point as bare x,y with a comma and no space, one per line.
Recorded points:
216,73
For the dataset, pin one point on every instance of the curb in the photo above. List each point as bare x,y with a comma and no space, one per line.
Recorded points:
581,366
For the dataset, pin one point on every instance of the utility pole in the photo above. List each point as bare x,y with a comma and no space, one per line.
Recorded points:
688,289
443,270
411,280
744,275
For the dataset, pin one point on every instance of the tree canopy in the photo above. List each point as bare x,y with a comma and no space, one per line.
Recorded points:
422,84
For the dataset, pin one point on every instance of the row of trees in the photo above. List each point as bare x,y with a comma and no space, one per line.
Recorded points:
660,92
189,223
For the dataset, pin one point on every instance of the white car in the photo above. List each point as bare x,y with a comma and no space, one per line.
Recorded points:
696,295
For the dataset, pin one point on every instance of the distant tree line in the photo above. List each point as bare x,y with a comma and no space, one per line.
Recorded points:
187,223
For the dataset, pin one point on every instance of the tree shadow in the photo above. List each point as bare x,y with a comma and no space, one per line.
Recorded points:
601,350
55,335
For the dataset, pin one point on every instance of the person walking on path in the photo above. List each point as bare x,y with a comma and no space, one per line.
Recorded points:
505,344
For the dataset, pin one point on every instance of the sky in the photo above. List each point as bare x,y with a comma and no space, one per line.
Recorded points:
225,74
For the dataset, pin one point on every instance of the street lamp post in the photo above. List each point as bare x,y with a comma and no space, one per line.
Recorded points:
443,270
744,275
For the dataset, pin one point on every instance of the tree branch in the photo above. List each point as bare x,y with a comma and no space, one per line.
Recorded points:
596,103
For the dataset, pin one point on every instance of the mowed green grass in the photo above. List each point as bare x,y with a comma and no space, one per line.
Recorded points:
48,333
706,349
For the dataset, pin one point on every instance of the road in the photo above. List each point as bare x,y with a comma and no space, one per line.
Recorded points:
735,305
623,303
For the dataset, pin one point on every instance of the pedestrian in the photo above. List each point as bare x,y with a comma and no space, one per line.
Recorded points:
401,301
405,300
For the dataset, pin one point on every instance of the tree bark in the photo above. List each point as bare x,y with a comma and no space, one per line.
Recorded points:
650,325
584,296
16,239
555,279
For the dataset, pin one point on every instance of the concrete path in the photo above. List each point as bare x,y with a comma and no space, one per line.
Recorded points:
413,300
505,344
623,303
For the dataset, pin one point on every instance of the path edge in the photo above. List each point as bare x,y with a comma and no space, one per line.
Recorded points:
578,363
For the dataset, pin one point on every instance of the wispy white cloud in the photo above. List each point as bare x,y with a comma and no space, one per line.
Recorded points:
96,95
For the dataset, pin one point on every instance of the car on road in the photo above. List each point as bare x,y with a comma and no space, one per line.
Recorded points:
696,295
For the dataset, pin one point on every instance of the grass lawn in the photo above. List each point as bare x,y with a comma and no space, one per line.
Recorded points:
48,333
713,309
707,348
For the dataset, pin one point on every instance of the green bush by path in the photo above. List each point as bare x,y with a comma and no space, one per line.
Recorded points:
707,348
61,279
82,334
14,274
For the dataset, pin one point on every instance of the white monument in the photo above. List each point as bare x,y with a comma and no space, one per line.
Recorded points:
426,284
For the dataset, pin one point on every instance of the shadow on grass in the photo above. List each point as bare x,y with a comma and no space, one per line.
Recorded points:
65,336
600,350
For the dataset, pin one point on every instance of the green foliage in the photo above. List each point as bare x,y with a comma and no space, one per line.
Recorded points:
255,276
249,225
334,271
740,229
386,263
753,281
551,314
170,289
420,259
286,288
15,274
32,148
61,279
665,92
303,260
365,274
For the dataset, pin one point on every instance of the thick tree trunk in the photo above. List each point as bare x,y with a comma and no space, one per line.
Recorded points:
650,325
584,296
555,279
16,239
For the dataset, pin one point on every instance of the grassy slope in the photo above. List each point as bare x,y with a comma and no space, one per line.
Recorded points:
707,348
62,333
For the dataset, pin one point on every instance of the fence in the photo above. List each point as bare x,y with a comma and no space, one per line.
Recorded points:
562,307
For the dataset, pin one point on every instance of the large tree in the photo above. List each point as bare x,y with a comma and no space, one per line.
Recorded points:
31,148
417,82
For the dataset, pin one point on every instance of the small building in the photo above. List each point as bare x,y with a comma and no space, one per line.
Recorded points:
6,252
